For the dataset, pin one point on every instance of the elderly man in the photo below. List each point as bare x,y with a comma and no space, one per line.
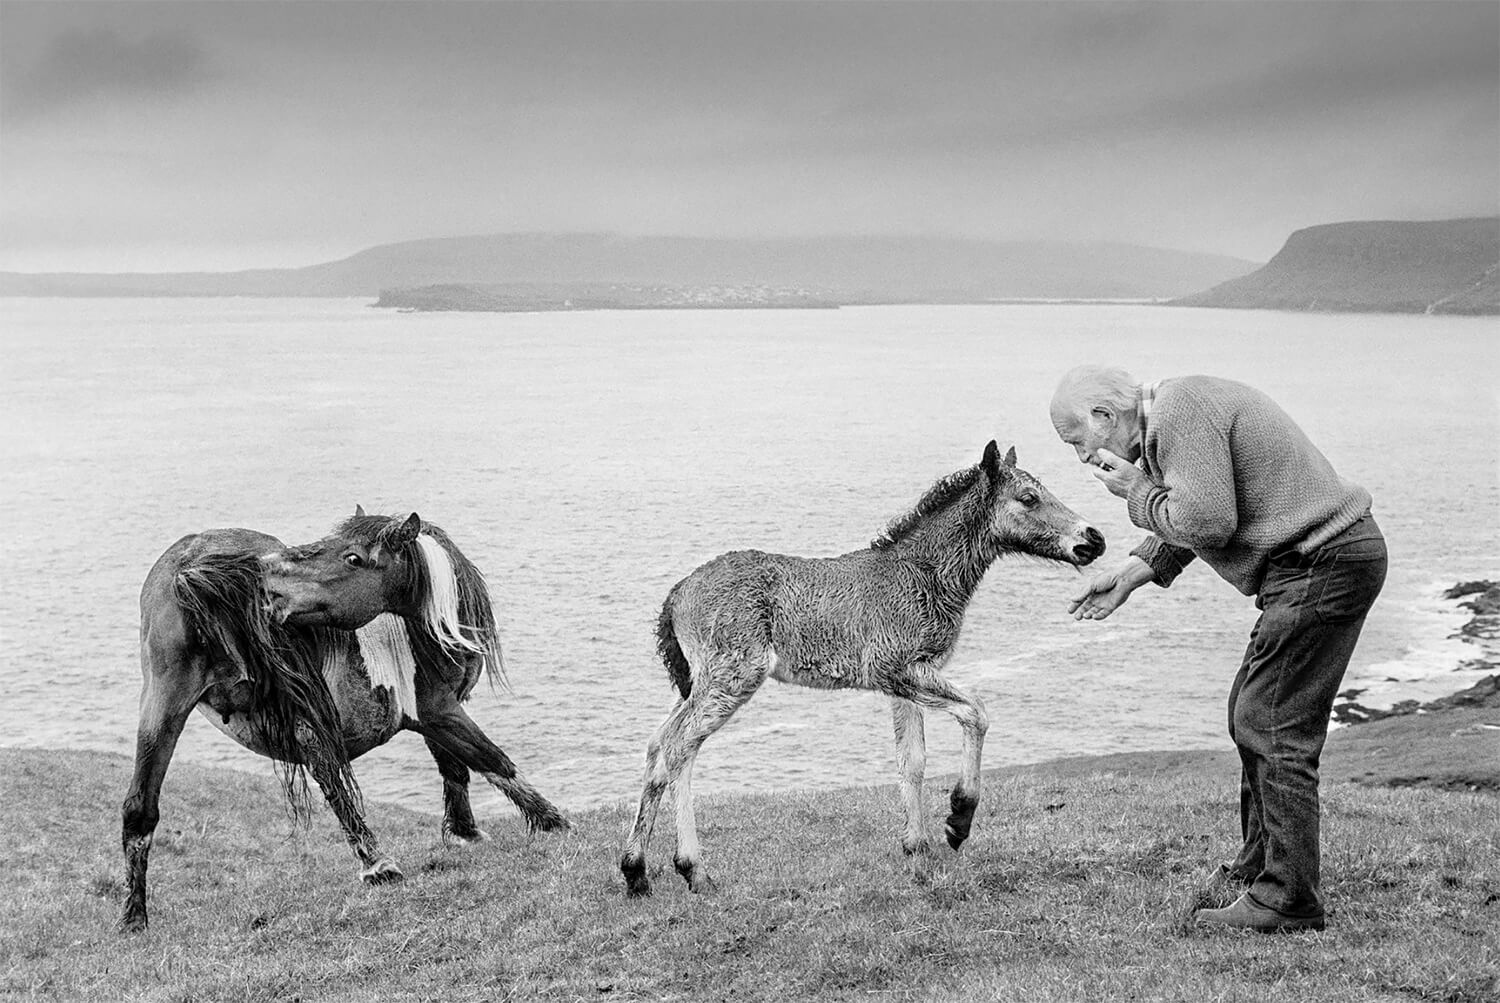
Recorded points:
1225,475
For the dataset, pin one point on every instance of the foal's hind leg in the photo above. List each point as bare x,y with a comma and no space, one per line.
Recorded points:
911,763
445,723
458,817
670,756
922,685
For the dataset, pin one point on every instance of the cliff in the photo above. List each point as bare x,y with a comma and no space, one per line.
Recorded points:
1440,266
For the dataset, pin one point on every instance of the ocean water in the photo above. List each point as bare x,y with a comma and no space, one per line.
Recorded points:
586,461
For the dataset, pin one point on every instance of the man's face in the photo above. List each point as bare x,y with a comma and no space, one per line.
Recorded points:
1090,431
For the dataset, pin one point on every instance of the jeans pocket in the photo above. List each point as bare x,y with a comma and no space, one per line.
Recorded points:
1351,581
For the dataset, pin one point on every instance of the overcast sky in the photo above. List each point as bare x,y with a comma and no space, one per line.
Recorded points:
154,136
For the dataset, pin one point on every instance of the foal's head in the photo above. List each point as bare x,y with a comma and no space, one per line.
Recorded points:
1026,518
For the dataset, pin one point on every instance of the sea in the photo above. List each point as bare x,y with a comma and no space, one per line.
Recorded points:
586,461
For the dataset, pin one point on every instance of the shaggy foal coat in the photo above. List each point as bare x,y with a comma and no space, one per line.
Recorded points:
885,618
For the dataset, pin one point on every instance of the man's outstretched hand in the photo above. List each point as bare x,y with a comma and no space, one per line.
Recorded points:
1108,590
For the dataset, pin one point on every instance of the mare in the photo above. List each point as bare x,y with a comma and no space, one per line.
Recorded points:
312,656
884,618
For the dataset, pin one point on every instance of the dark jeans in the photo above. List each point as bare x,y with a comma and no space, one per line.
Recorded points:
1312,608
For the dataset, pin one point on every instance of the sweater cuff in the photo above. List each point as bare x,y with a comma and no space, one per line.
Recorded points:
1165,561
1138,503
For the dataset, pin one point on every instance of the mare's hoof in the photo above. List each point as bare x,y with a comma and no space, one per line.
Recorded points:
462,839
552,822
382,872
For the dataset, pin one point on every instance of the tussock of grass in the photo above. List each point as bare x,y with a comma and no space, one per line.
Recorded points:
1075,887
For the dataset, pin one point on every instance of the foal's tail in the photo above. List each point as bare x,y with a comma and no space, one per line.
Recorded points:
296,717
671,651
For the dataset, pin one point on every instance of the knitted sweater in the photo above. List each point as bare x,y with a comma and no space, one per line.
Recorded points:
1231,478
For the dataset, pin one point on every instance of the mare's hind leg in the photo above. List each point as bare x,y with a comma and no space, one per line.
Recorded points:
922,685
377,868
174,680
458,817
445,723
911,763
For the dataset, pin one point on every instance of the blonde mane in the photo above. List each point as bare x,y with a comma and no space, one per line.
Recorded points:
440,614
386,650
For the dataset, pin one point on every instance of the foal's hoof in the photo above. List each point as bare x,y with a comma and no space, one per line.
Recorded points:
382,872
916,846
696,876
463,839
955,837
637,885
133,923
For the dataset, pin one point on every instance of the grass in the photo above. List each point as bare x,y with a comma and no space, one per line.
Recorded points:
1075,887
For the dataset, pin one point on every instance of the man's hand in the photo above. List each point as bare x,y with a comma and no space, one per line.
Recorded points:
1109,590
1116,474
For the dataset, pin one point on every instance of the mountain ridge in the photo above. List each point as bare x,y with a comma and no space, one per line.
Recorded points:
844,267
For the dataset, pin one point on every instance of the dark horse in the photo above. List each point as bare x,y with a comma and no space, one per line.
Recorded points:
884,618
313,656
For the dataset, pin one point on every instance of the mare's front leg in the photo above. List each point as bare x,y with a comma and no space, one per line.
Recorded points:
459,826
447,725
911,763
922,685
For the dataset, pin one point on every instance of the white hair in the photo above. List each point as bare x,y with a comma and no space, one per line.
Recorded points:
1086,387
386,650
440,614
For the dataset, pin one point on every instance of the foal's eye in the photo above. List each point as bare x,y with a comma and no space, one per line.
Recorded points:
354,560
1028,499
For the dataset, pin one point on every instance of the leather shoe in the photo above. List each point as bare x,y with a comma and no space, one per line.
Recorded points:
1247,914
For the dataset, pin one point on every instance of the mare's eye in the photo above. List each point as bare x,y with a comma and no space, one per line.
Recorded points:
354,560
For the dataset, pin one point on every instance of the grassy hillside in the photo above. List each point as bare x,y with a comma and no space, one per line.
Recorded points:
1440,266
1075,887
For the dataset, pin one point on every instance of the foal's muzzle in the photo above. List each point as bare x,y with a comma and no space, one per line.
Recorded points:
1091,547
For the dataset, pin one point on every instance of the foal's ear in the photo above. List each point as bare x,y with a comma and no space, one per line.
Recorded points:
359,511
409,529
1010,456
990,464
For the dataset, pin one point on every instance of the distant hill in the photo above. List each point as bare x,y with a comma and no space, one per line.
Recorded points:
1438,266
844,269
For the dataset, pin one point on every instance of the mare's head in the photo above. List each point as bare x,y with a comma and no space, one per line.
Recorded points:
1026,518
374,564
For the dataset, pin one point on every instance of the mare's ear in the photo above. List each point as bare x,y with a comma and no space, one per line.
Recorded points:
359,511
1010,456
409,529
990,464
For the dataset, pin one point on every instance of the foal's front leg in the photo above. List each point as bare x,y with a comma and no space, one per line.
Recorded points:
925,687
911,762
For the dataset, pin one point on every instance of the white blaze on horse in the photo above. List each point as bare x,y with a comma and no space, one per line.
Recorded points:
885,618
313,656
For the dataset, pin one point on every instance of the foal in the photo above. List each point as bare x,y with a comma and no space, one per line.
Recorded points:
884,618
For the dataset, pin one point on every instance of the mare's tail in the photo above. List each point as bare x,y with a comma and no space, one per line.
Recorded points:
671,651
295,716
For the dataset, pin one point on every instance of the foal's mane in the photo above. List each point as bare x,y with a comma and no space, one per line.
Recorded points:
441,581
938,498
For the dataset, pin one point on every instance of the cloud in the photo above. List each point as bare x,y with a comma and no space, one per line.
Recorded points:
81,65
